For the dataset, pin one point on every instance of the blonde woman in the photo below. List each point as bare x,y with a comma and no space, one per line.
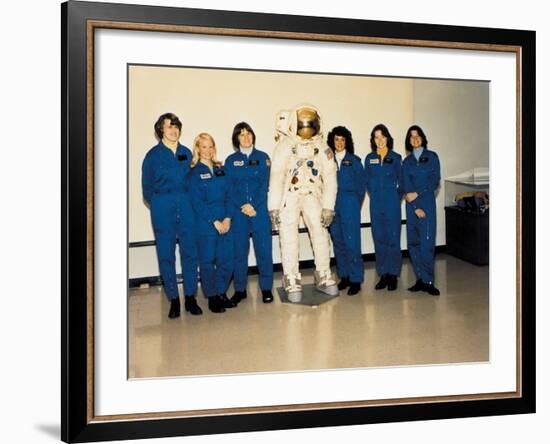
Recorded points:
210,191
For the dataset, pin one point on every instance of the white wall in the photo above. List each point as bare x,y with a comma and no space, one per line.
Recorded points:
455,117
30,314
214,100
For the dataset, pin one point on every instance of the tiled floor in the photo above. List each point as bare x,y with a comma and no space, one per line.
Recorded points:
374,328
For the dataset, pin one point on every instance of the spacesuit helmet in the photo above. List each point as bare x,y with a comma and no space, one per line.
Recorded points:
308,122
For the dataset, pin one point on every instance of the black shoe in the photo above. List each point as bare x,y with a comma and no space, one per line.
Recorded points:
392,282
226,302
267,296
354,288
238,297
191,305
175,308
343,284
430,289
382,283
215,304
419,286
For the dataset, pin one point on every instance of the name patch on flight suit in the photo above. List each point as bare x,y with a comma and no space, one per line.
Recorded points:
238,163
374,161
346,162
423,160
253,162
219,173
206,176
182,157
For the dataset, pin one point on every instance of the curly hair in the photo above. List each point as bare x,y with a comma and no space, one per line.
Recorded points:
341,131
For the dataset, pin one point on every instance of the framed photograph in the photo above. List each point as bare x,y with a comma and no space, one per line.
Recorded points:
455,341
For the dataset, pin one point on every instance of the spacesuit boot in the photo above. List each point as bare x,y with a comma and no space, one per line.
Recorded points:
293,287
325,283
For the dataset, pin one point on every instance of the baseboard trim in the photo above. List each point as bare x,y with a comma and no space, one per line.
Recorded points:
304,265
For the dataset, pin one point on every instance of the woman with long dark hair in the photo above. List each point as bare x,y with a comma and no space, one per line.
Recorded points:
421,175
345,229
383,180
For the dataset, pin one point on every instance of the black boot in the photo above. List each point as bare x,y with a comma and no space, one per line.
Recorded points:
215,304
191,305
226,302
430,289
344,283
392,282
238,297
175,308
419,286
267,296
382,283
354,288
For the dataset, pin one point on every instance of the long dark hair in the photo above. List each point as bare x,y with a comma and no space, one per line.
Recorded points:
341,131
385,132
420,132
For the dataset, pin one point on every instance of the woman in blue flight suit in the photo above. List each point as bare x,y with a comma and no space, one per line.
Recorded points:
210,191
421,175
163,178
383,180
248,168
345,229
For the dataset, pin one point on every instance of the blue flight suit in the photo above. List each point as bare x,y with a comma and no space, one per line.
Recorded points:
210,193
383,181
249,182
345,229
422,176
164,185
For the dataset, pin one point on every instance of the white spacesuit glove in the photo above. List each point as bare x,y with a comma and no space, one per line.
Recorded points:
275,216
326,217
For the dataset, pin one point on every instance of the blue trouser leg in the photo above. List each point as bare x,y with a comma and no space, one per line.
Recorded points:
224,262
351,230
421,242
207,257
263,249
378,229
166,248
164,224
337,233
241,239
413,239
393,258
386,232
188,252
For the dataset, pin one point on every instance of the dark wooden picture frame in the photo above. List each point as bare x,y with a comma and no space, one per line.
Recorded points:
79,21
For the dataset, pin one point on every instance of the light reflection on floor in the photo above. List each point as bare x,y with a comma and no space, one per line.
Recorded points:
374,328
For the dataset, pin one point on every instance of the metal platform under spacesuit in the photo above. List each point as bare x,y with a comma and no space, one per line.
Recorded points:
310,296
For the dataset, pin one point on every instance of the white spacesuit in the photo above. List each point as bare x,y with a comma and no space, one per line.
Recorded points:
303,182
